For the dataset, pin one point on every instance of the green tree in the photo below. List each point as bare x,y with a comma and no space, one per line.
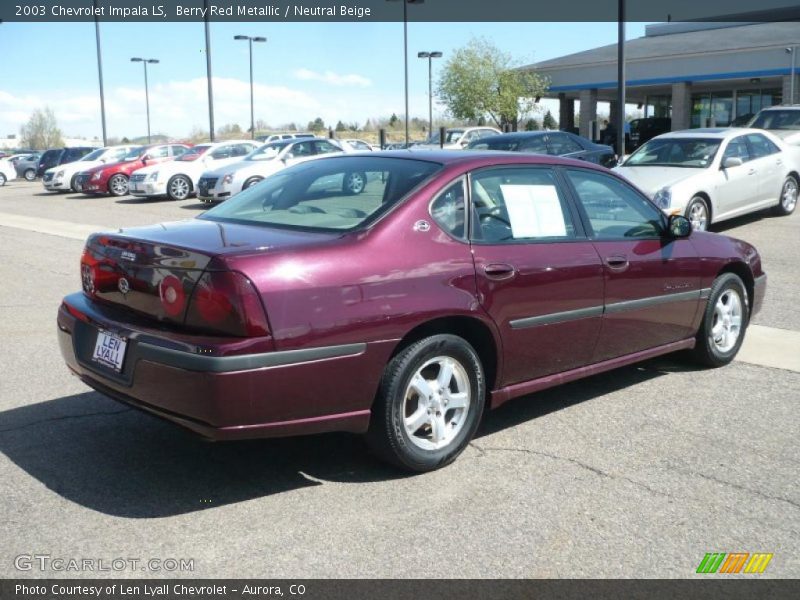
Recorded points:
549,122
230,130
479,80
532,125
393,120
316,125
41,131
341,126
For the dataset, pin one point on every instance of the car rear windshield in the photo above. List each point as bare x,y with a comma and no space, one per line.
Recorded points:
95,154
696,153
194,152
451,136
328,194
777,119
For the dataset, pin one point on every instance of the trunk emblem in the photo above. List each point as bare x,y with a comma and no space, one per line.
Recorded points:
124,286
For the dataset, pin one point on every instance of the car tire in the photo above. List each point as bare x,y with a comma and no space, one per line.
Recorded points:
354,183
29,175
429,404
72,184
2,179
179,187
118,185
697,212
724,322
788,199
251,182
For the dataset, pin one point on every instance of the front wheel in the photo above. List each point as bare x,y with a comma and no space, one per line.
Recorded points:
73,183
2,179
179,188
724,322
30,174
251,182
788,201
118,185
697,213
429,404
354,183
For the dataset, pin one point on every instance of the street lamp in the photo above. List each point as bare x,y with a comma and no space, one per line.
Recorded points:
100,75
793,51
145,62
405,49
430,56
250,40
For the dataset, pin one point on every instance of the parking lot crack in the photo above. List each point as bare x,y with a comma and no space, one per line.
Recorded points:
64,418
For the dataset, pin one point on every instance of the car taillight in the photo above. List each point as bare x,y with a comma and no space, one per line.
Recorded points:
227,302
97,275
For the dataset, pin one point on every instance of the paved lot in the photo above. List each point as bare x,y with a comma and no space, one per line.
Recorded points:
635,473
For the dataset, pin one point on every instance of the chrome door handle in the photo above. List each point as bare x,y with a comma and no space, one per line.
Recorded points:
499,271
617,263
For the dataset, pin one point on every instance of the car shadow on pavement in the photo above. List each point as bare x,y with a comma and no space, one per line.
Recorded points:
743,220
122,462
197,206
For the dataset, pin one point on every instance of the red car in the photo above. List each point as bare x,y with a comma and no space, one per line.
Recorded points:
454,282
113,178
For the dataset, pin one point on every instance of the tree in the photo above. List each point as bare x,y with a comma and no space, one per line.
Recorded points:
341,126
532,125
393,120
230,130
549,122
480,80
41,131
316,125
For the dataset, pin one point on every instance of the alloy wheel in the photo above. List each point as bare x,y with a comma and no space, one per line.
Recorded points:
179,188
118,185
727,321
698,215
789,195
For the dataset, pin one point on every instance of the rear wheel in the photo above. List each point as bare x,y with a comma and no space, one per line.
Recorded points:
73,183
2,179
697,213
118,185
354,183
179,187
30,174
724,322
429,404
788,201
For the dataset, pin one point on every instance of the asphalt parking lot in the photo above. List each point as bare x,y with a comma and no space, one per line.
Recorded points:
634,473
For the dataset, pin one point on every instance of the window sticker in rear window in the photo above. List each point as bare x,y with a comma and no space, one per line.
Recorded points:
534,211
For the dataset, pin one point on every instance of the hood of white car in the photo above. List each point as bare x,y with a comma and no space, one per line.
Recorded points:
790,136
652,179
75,167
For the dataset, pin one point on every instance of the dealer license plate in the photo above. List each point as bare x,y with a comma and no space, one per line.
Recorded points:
109,350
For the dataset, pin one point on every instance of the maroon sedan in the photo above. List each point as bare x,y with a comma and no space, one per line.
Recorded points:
454,282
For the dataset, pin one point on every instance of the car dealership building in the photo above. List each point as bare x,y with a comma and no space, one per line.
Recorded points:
698,74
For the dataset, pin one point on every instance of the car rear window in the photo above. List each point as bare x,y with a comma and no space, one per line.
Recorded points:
330,194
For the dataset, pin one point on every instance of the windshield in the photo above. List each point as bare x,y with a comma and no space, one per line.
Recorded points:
194,152
330,194
265,152
693,153
133,153
777,119
450,137
95,155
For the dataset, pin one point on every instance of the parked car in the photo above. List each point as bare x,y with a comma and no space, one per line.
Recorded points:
644,130
64,177
781,121
178,179
275,137
26,166
359,145
298,308
113,179
60,156
7,171
710,175
457,138
556,143
222,183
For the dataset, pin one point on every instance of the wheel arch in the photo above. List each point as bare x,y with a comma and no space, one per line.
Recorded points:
707,197
745,274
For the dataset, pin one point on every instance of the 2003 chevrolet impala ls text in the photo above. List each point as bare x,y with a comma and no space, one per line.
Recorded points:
453,282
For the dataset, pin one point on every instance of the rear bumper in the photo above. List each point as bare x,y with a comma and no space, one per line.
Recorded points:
221,395
759,291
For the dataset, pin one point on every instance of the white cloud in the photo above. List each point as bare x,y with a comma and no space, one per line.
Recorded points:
332,78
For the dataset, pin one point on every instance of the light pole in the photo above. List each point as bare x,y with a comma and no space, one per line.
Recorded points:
250,40
793,51
208,77
430,56
100,76
405,50
145,62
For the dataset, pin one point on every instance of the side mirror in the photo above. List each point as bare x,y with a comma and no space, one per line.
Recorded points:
732,161
679,226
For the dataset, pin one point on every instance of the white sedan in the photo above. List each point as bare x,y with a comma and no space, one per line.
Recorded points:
178,179
62,177
220,184
7,171
710,175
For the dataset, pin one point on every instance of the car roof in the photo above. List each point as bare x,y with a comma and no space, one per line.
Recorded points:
479,158
720,133
782,107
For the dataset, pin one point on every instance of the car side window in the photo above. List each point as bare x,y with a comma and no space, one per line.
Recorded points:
301,149
737,148
222,152
448,209
535,143
512,205
159,152
760,146
561,144
323,147
614,210
178,150
241,150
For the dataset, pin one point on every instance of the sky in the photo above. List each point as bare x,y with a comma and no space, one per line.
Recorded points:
336,71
